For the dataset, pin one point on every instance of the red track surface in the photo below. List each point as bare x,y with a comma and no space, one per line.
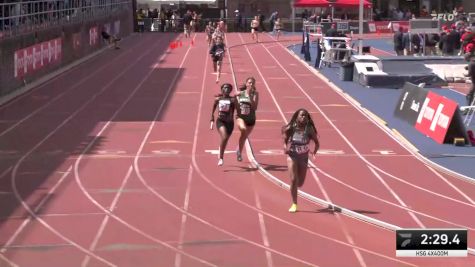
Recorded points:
110,165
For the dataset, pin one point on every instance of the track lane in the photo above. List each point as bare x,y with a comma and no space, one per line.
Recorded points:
274,74
59,156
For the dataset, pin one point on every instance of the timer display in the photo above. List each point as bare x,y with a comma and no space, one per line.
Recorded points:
431,243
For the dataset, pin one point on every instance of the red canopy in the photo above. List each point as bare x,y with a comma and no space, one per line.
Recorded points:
311,3
352,3
327,3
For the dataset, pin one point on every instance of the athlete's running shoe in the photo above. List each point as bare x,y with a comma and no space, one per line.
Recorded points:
239,157
293,208
220,162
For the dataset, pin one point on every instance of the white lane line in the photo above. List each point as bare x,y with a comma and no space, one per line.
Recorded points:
354,148
51,133
77,84
396,196
262,224
343,226
347,236
36,209
425,161
88,147
205,178
102,227
4,257
451,185
186,204
5,172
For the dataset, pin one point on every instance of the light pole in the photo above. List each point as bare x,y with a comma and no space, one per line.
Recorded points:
360,28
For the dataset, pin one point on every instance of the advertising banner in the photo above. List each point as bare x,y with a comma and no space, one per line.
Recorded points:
431,114
410,103
35,57
435,116
93,36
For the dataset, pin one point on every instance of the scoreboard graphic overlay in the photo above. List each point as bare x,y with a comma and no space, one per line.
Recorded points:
431,243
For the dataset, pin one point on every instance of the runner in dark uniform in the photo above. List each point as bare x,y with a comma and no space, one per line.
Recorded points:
297,135
225,121
217,54
247,101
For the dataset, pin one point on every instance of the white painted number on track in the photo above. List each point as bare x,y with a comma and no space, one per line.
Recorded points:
216,152
330,152
273,152
384,152
110,152
166,152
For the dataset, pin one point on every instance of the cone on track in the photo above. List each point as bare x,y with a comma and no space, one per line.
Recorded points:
192,42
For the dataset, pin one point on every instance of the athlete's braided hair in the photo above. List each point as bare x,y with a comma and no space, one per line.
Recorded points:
289,129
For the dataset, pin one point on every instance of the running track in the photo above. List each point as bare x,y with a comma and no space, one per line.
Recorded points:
113,164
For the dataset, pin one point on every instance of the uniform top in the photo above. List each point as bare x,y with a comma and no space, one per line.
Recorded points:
225,108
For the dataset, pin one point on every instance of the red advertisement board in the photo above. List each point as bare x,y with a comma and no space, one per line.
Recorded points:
32,58
386,26
93,36
435,116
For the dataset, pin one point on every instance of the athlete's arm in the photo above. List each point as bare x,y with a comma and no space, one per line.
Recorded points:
216,100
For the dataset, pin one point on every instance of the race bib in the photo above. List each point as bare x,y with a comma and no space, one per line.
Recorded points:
245,109
219,52
303,149
224,105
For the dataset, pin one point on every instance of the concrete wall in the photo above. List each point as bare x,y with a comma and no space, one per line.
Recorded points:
75,44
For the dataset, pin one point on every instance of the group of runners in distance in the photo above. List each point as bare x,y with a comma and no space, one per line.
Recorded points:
296,135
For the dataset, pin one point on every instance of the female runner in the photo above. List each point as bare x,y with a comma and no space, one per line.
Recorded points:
297,135
247,102
224,123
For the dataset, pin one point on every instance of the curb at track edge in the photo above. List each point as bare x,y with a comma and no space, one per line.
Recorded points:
375,119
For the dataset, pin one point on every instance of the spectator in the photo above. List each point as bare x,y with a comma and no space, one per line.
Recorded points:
273,17
237,20
187,18
261,18
398,44
110,39
431,42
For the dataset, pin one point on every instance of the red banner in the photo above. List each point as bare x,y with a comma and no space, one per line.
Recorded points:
386,26
35,57
93,36
435,116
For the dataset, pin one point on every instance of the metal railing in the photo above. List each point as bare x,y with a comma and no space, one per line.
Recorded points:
21,17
